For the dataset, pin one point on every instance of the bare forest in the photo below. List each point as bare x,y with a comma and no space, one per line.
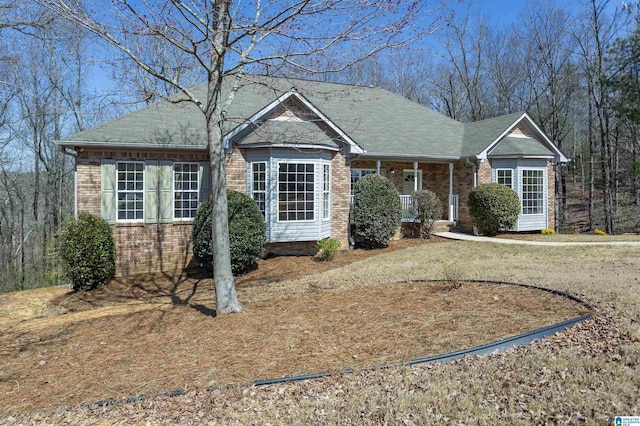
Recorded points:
575,68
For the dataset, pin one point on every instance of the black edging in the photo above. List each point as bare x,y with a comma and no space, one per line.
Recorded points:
488,348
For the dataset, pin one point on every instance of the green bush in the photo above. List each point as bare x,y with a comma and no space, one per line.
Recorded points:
246,233
88,252
493,207
377,211
429,209
328,248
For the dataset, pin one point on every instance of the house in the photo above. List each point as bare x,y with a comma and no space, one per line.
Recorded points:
297,147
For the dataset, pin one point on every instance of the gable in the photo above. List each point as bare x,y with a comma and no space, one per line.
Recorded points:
520,146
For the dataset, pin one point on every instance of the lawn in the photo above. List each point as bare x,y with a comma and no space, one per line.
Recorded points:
587,374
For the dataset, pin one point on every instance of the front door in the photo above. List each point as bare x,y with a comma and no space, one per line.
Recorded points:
408,182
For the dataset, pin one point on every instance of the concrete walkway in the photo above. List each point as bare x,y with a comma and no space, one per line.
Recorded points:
467,237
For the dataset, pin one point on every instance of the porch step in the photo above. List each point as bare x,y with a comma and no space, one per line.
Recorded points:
443,226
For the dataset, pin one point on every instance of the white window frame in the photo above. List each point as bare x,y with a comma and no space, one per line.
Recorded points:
315,165
127,191
360,176
498,177
542,192
253,191
326,191
174,190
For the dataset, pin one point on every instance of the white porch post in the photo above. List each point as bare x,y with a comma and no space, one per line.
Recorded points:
451,206
378,167
415,176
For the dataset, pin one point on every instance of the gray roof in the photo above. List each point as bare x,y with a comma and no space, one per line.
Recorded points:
379,121
520,146
479,134
283,132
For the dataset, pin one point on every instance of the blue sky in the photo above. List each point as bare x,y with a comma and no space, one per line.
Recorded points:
504,11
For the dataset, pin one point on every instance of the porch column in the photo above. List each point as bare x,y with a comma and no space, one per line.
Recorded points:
451,192
378,167
415,176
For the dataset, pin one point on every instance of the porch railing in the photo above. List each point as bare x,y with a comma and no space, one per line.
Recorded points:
409,209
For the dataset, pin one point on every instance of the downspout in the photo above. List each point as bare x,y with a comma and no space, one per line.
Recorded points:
75,180
474,171
352,241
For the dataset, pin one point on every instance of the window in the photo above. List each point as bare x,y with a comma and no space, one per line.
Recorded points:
356,174
326,191
505,177
130,190
185,190
295,191
259,184
532,191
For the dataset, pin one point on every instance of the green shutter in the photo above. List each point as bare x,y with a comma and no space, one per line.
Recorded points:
108,191
205,181
150,191
166,191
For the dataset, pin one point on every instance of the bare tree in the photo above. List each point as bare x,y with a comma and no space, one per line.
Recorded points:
225,38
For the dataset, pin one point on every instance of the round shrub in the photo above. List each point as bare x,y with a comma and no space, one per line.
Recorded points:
429,209
247,236
493,207
88,252
377,211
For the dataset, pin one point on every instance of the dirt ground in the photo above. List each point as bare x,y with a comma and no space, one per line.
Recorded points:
157,334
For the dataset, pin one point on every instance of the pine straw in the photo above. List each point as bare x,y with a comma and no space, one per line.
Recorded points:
168,347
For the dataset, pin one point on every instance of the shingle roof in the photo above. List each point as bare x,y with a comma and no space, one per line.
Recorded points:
479,134
511,146
284,132
379,121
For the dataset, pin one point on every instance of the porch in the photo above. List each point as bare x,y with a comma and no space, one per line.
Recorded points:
446,180
410,210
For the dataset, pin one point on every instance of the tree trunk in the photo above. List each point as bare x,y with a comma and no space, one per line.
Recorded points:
226,299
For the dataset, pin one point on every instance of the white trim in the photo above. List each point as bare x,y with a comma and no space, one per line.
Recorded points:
505,169
315,183
354,147
328,184
559,156
173,190
144,190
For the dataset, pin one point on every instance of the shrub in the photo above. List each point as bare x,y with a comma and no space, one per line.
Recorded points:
246,233
429,209
547,231
493,207
377,211
599,232
328,248
452,276
88,252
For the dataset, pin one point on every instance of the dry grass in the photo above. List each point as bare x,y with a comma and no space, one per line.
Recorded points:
586,375
584,238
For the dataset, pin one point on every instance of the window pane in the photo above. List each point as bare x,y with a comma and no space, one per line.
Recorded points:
186,188
532,192
295,191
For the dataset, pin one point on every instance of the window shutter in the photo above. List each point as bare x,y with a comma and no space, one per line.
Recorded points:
166,191
108,190
383,172
151,191
205,181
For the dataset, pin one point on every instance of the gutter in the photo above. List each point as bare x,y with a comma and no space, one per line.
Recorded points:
63,149
116,146
474,171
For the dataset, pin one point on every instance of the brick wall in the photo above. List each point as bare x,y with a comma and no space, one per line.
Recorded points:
141,248
340,199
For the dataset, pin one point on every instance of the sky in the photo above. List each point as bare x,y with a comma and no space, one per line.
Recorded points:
504,11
